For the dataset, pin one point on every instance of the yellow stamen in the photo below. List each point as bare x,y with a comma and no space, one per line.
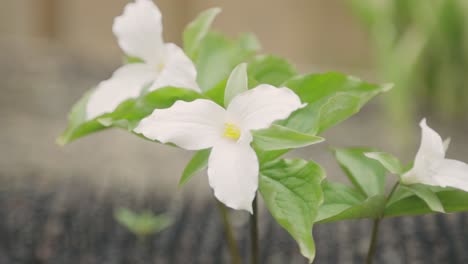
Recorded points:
231,131
160,67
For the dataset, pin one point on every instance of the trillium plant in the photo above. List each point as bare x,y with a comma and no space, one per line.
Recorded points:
241,111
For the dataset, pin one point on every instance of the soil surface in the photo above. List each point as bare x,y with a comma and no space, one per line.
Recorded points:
73,222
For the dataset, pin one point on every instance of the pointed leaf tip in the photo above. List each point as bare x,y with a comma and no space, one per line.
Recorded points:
196,31
237,83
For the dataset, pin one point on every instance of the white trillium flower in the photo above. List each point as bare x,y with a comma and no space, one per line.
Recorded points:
139,34
432,168
233,167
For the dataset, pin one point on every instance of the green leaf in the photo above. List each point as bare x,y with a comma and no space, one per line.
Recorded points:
196,31
237,83
198,163
372,208
131,59
343,202
427,195
278,137
270,69
292,192
337,193
143,224
219,55
453,201
127,115
77,124
366,174
388,161
331,97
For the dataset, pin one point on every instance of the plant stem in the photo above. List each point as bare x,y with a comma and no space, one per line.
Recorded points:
232,243
255,252
392,192
375,228
373,242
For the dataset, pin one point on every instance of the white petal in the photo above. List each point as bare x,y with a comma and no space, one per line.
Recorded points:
190,125
432,145
452,173
233,173
431,151
177,71
126,82
420,175
259,107
139,31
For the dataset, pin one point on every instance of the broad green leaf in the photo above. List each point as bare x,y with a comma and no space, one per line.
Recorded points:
270,69
390,162
344,202
127,115
340,193
292,192
237,83
198,163
197,30
427,195
143,224
278,137
372,208
366,174
331,97
219,55
453,201
398,195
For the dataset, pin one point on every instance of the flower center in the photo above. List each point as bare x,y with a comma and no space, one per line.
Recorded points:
160,67
231,131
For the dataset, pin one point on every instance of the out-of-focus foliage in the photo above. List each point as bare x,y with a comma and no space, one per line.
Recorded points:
422,46
143,224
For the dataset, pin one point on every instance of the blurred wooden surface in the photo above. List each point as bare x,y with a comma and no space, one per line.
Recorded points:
318,32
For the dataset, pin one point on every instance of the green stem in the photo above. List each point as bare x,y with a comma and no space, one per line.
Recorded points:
255,252
373,242
232,244
375,228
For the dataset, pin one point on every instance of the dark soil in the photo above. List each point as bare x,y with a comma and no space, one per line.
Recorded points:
73,223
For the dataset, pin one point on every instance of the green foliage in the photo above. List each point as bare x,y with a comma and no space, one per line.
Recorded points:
331,97
280,138
78,126
196,31
367,175
219,55
126,115
198,163
421,45
292,189
143,224
292,193
452,201
388,161
427,195
344,203
367,199
130,60
270,69
237,83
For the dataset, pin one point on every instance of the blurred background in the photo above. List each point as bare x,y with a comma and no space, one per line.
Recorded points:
52,51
